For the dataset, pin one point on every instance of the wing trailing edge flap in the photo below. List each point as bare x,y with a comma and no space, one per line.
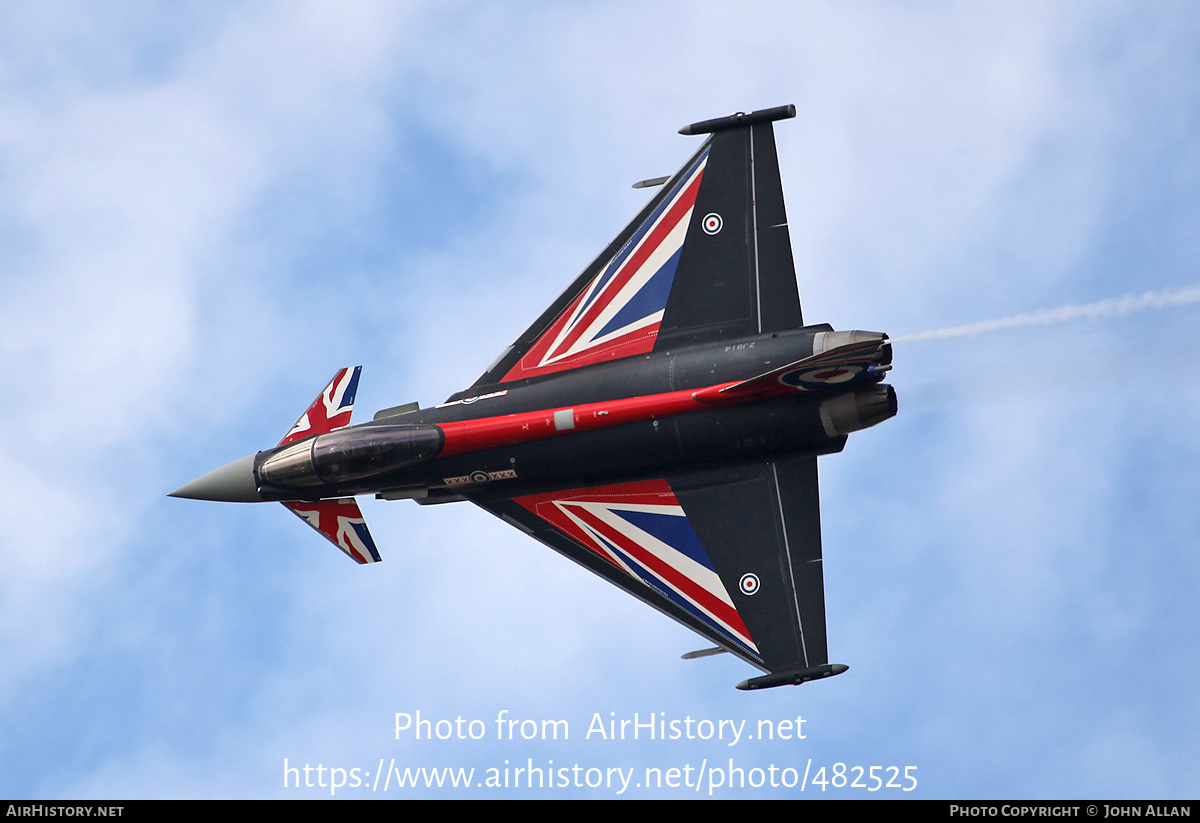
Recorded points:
761,526
733,554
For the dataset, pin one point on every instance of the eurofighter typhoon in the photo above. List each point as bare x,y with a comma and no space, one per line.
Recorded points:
659,424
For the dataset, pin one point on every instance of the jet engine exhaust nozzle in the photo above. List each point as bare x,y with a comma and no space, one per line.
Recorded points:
861,409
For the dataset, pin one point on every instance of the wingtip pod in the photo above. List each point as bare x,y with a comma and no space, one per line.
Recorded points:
739,119
792,677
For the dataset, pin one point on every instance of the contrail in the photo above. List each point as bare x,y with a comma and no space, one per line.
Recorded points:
1113,307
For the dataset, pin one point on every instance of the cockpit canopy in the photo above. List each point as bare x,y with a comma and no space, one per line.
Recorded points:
349,454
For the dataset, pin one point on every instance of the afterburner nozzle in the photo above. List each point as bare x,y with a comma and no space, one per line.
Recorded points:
232,483
857,410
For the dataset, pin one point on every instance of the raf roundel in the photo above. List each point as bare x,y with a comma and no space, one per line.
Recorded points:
712,223
749,583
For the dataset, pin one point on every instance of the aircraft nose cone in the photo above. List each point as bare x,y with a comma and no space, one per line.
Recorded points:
232,483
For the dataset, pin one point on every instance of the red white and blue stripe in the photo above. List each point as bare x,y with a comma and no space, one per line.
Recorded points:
641,529
342,524
331,410
619,313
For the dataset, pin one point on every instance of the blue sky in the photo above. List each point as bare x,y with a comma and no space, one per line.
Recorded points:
206,210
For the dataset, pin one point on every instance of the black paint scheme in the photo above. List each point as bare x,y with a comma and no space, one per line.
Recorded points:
745,475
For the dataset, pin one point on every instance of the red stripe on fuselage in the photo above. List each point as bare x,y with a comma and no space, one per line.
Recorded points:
508,430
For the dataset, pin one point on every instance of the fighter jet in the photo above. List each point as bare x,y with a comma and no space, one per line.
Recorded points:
659,424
